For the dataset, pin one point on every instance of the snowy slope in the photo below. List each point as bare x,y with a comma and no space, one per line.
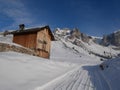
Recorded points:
101,49
112,73
62,53
7,39
88,77
68,69
25,72
90,48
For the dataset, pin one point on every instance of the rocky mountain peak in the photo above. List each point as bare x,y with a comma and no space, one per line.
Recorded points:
113,38
72,34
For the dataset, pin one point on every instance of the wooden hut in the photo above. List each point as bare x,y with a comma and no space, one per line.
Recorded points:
37,39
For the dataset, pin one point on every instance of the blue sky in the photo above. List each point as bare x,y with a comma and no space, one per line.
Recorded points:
93,17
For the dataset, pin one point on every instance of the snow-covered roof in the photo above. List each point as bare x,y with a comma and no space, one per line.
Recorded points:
32,30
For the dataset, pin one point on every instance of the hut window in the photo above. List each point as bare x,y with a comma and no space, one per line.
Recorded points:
44,43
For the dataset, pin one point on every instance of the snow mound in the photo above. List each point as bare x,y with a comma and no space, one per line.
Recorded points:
112,73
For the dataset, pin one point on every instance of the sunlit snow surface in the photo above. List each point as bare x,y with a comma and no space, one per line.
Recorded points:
88,77
66,70
24,72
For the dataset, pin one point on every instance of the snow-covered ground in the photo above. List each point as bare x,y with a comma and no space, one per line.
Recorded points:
67,69
62,53
88,77
92,47
25,72
7,39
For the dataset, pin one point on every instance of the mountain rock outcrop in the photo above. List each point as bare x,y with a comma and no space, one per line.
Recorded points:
113,39
72,34
75,36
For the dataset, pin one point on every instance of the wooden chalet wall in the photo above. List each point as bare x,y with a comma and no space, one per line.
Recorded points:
43,43
27,40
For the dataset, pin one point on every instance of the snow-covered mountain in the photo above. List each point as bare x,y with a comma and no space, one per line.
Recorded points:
88,45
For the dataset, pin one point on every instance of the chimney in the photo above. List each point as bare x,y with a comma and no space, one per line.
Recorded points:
21,26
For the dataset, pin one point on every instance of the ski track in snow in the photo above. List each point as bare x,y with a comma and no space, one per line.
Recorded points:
82,78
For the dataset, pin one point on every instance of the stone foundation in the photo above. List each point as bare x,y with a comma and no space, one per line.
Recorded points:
4,47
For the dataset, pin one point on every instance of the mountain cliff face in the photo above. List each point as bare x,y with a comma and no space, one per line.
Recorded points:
113,39
75,36
72,34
